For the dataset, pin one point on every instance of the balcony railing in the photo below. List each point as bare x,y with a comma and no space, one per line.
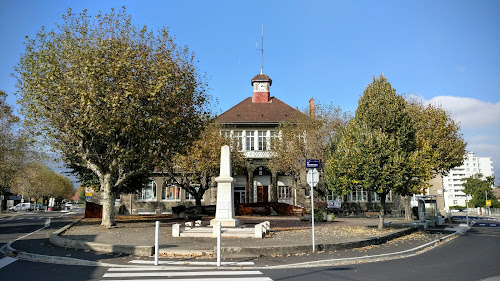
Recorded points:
257,154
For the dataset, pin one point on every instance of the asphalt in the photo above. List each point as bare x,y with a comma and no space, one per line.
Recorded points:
343,241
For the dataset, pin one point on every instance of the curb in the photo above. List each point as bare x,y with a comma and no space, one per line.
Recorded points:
255,252
366,259
54,238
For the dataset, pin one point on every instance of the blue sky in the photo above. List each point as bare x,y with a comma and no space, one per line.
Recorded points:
444,51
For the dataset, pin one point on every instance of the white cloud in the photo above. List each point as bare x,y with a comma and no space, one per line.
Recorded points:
470,112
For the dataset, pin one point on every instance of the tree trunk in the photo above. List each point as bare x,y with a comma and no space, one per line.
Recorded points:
382,211
108,199
407,203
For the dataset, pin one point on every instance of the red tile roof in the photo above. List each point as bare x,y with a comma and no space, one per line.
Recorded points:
248,112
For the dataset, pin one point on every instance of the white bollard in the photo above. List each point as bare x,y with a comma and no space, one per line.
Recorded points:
219,234
157,242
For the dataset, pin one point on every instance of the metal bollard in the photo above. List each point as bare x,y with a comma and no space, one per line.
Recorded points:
157,242
219,234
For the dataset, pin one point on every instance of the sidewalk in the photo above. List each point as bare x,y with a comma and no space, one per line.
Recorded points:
288,236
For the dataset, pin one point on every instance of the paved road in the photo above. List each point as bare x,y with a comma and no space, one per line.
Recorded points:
472,256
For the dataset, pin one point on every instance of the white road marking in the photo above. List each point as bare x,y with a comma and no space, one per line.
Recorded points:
6,261
200,279
167,273
191,262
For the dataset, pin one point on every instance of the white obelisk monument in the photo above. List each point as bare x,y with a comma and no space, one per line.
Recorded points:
224,212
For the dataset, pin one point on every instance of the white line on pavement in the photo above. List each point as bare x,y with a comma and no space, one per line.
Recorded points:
180,274
191,262
6,261
200,279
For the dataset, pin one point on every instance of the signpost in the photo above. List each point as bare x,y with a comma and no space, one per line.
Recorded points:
312,181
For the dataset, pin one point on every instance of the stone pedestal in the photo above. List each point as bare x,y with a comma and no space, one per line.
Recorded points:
224,212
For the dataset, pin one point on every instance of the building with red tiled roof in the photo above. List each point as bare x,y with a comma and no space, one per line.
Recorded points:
253,123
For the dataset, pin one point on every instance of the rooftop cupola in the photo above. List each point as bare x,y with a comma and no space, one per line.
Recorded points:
261,84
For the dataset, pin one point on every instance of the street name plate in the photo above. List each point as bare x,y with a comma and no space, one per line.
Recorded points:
312,163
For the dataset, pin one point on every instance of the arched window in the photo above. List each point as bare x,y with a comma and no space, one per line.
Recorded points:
148,192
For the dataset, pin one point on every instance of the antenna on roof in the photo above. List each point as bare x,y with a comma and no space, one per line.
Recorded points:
261,51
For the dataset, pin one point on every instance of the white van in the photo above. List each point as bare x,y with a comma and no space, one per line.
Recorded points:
22,207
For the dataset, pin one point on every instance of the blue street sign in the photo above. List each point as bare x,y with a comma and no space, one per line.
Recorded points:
312,163
88,198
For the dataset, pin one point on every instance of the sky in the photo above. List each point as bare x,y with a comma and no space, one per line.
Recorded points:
446,52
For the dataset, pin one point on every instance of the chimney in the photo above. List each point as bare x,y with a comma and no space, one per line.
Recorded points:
311,108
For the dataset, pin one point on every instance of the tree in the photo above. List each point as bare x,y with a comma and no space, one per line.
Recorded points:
478,187
200,164
31,181
36,180
13,146
304,137
80,192
440,146
376,150
60,186
111,97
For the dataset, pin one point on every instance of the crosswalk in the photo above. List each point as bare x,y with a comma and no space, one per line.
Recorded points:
17,218
176,274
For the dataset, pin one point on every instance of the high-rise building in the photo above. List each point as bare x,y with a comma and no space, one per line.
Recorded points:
453,182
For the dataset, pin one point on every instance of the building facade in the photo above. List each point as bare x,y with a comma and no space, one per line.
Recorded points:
253,124
453,182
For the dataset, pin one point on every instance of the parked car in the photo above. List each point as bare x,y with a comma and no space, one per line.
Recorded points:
69,205
22,207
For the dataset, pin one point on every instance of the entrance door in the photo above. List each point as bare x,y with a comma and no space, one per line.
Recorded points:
239,195
262,194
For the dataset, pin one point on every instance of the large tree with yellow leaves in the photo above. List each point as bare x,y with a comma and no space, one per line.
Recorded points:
110,96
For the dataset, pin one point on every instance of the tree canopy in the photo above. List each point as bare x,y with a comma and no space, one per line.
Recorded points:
305,137
480,187
374,150
36,180
110,96
14,146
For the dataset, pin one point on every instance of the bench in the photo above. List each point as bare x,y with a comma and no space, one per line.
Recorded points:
372,214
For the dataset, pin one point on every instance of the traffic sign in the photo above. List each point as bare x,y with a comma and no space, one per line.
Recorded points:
312,177
312,163
88,198
488,203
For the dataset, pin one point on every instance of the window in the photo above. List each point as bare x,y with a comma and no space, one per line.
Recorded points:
226,133
284,192
238,135
455,202
376,197
148,192
250,143
358,196
171,192
262,137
